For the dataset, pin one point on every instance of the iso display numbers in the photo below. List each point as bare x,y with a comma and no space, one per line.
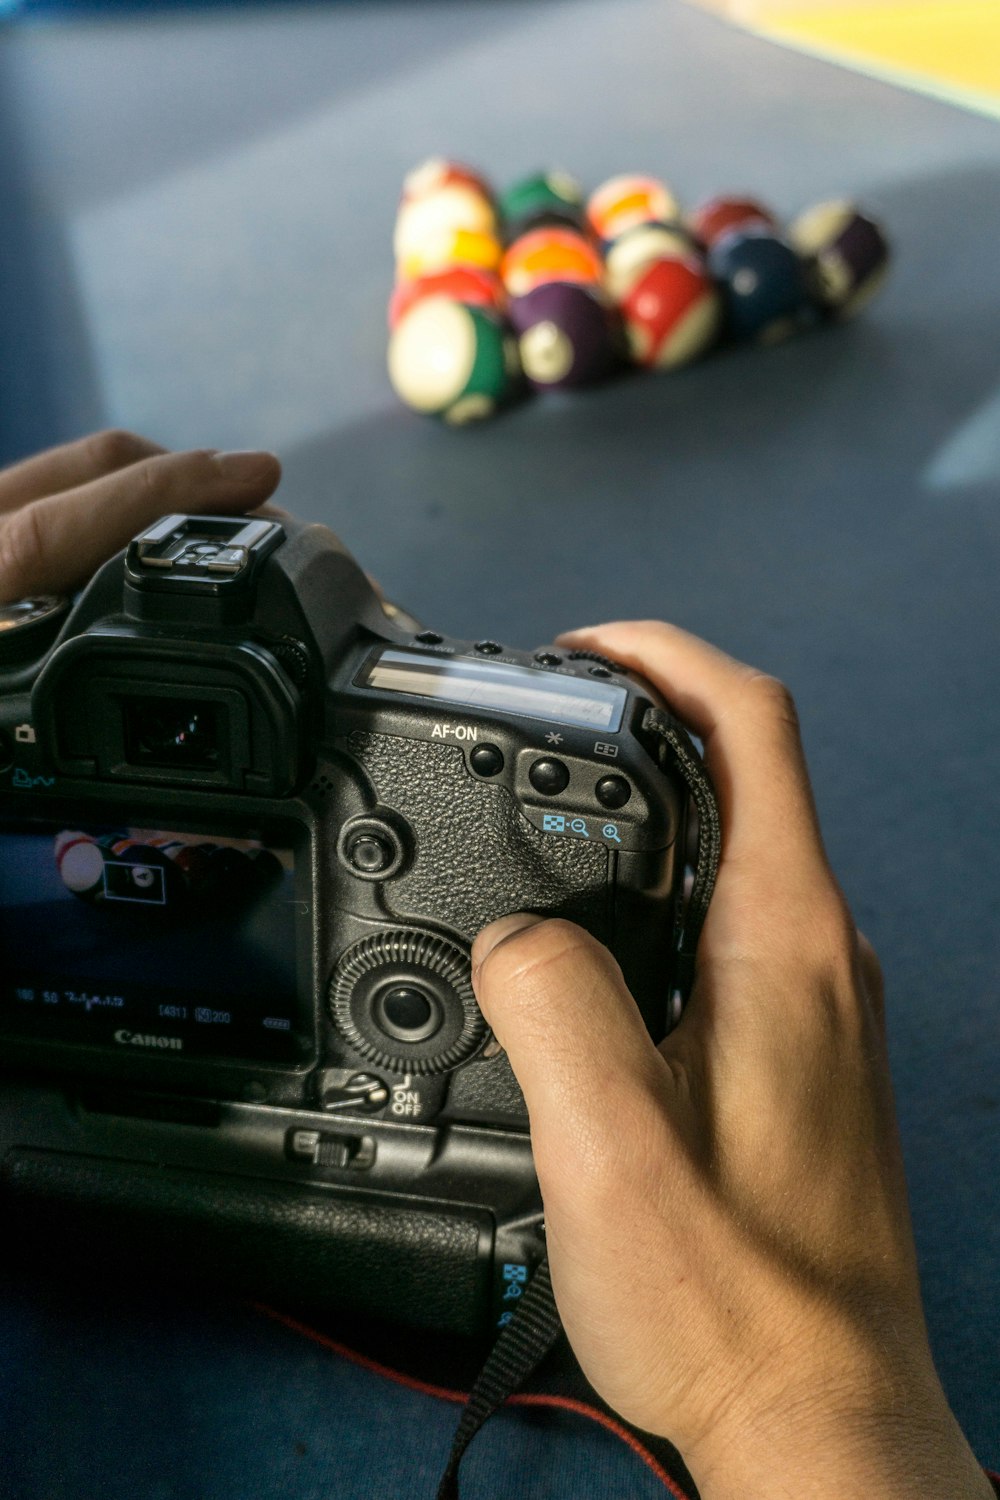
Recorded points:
269,818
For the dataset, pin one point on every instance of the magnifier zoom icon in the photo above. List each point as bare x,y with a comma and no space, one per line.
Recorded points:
610,831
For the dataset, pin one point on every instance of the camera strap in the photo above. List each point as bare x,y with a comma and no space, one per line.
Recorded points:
676,752
532,1332
518,1351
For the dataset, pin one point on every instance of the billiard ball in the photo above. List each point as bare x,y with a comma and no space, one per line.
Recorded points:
763,282
671,314
541,199
551,254
622,202
453,361
438,172
460,283
712,220
846,253
80,862
451,208
446,248
627,257
567,334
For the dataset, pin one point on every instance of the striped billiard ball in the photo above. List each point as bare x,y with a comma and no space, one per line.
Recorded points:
453,361
554,253
846,254
622,202
672,313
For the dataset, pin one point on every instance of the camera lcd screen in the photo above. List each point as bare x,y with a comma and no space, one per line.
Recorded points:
498,685
151,941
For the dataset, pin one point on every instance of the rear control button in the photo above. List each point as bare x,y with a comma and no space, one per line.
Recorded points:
549,777
372,848
489,648
429,638
613,791
548,659
369,854
599,671
486,760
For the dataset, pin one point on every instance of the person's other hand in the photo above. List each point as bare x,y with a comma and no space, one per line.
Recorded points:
726,1214
65,511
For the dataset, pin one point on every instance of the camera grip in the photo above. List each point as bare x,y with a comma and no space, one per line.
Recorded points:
131,1221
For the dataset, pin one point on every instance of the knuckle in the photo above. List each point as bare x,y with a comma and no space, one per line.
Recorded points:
772,698
21,552
517,964
115,448
827,935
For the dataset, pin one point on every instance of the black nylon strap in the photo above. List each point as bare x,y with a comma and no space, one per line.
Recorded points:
518,1351
677,752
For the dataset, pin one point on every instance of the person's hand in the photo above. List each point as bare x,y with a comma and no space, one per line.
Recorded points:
726,1214
64,512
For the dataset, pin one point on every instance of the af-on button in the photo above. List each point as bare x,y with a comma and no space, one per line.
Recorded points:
487,760
549,776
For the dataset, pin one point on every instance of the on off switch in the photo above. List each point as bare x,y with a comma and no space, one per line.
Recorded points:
549,776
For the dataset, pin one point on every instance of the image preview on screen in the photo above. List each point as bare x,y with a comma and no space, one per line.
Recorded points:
190,937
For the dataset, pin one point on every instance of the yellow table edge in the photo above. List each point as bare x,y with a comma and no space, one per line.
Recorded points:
771,29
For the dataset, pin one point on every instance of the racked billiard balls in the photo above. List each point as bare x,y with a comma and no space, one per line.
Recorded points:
567,334
671,314
763,283
453,361
846,253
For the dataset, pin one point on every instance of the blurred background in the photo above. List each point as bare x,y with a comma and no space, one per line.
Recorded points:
197,209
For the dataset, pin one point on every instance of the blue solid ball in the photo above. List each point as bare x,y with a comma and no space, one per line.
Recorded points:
763,282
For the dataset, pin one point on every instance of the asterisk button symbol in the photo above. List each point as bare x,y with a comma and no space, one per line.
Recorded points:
554,739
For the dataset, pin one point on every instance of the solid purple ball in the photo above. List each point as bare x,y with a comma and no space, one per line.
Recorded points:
566,335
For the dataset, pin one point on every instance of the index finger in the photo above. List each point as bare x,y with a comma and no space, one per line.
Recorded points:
747,723
53,545
72,464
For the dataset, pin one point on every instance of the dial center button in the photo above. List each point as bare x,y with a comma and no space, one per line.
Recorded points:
549,776
613,791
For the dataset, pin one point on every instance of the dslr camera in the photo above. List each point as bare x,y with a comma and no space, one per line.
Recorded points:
251,820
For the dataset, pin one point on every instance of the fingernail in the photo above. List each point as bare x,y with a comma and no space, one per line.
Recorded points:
571,635
498,932
246,465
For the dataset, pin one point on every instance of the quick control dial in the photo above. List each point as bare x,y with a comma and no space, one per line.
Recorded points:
404,999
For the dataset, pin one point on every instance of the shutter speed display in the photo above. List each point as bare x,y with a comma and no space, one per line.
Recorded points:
501,687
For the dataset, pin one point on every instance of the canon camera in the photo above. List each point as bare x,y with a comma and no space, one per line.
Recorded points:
250,822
